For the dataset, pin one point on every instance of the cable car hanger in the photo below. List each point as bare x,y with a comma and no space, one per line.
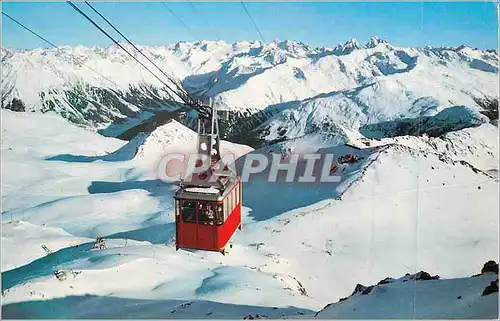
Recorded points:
198,225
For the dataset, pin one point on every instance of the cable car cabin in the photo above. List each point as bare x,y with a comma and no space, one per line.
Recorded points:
207,217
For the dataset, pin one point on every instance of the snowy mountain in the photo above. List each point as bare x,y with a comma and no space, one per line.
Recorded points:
420,296
420,192
302,246
351,85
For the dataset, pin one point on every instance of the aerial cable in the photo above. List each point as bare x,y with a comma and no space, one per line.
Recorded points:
202,110
140,51
192,6
56,47
200,14
181,21
74,59
253,22
119,45
34,33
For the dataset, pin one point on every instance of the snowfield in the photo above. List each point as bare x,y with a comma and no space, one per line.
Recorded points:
421,193
408,204
407,298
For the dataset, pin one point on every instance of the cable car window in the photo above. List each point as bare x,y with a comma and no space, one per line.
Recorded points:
188,211
233,199
206,213
219,215
226,210
237,191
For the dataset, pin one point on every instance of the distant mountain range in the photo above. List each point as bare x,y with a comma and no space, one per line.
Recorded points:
274,91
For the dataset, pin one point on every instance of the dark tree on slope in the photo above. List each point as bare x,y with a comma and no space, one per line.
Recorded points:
16,105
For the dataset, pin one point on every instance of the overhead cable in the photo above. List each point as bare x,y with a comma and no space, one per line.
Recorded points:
253,22
181,21
140,51
56,47
124,49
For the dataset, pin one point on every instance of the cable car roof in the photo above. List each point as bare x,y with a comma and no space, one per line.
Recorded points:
204,190
214,192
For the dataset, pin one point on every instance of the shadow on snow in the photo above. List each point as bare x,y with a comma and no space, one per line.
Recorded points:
92,306
124,153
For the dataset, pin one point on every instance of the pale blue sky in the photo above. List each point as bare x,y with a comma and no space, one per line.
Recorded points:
317,24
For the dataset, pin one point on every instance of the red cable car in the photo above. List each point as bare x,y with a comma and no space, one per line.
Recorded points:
207,217
207,212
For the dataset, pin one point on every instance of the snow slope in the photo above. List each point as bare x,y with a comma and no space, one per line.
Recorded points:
382,224
400,208
60,172
173,137
407,298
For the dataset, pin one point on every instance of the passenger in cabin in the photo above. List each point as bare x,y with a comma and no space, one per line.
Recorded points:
206,214
220,216
210,212
189,211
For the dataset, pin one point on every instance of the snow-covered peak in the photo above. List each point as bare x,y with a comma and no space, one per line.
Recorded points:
437,299
4,52
164,137
374,42
347,48
94,87
296,48
173,130
462,47
115,49
352,43
257,44
212,45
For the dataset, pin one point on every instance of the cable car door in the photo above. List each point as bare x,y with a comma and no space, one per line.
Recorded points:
207,231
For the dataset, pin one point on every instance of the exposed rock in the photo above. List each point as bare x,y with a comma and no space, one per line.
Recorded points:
422,275
100,243
362,289
385,281
374,41
490,107
257,316
60,275
256,245
367,290
490,266
492,288
359,288
16,105
300,287
349,158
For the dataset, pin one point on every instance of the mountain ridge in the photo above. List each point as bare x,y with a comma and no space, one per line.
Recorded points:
103,89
